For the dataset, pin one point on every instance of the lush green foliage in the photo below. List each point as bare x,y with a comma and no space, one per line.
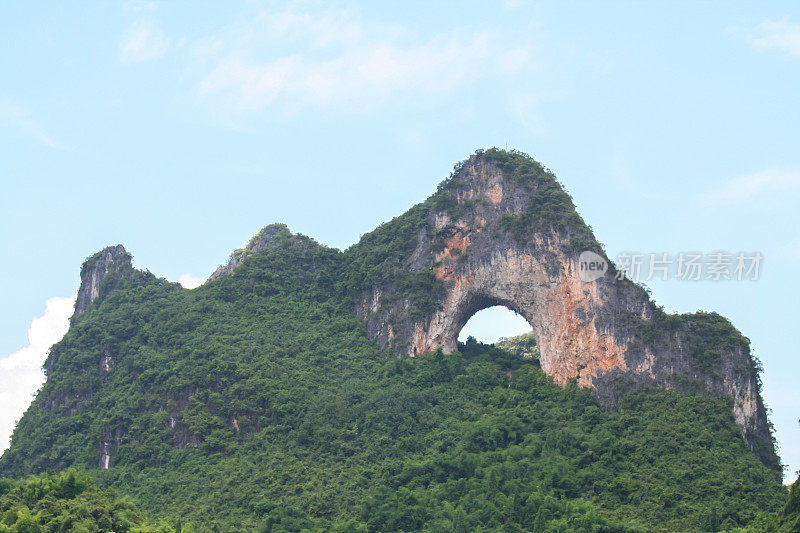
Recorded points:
524,345
380,259
68,501
787,520
257,401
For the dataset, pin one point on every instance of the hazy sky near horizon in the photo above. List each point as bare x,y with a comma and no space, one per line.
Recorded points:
179,130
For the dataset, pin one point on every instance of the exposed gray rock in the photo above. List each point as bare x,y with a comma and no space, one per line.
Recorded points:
109,447
107,361
95,271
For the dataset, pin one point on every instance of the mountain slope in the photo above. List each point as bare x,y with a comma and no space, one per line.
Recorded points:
265,399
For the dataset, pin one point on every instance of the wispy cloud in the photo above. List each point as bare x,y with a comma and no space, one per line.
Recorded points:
292,60
21,372
776,35
20,118
756,184
189,281
143,41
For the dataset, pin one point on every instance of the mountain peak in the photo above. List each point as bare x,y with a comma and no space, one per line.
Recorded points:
95,271
270,238
503,231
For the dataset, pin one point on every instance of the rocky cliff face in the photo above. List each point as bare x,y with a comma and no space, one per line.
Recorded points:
502,231
101,272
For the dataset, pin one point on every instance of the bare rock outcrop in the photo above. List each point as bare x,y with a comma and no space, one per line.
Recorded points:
100,273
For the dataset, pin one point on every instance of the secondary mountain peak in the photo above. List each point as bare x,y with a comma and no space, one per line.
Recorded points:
270,238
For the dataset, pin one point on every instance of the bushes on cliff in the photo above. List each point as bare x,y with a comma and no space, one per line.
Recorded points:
789,517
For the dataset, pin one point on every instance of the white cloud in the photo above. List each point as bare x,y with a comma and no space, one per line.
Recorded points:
143,41
776,35
21,119
188,281
752,185
293,60
21,373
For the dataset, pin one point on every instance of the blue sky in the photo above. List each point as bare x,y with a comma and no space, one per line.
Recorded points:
180,130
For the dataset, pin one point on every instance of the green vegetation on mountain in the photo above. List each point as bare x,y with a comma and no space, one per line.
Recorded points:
257,402
380,257
551,207
787,520
69,501
523,345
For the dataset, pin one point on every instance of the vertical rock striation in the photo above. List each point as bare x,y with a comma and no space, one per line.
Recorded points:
100,273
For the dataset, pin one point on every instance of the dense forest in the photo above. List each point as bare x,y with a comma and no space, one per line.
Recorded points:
257,402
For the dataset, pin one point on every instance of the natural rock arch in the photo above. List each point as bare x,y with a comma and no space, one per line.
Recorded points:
489,247
502,231
561,310
452,324
493,323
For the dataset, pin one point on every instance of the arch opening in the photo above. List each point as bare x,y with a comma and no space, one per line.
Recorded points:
493,324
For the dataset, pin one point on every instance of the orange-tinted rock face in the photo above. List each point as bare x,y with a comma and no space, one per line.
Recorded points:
454,247
577,349
489,247
570,346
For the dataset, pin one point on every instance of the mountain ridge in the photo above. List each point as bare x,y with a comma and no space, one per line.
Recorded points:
414,284
276,362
